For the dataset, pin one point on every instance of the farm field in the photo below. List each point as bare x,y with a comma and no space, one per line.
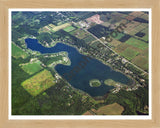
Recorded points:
39,82
129,53
56,28
31,67
52,28
69,28
145,37
89,39
79,33
137,43
18,52
134,50
141,61
114,43
111,109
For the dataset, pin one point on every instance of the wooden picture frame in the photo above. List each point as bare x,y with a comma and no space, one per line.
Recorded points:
4,70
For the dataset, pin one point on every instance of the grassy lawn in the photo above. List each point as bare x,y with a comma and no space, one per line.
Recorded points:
137,43
18,52
32,68
129,53
69,28
39,82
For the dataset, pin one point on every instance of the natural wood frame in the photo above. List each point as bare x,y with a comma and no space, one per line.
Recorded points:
6,4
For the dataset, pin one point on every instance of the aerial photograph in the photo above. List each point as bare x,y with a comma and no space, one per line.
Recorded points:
79,63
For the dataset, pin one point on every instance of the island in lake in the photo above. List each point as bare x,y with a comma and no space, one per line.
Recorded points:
94,83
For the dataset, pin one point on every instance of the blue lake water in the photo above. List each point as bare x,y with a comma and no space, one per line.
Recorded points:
93,69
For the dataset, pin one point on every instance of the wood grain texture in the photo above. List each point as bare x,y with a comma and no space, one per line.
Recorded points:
6,4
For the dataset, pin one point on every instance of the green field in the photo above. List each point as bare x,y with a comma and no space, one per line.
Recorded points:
89,39
79,33
129,53
114,43
141,61
146,37
69,28
119,36
32,68
137,43
53,59
94,83
111,109
18,52
39,82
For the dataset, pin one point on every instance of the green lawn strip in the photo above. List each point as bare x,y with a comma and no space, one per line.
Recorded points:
137,43
17,52
129,53
69,28
32,68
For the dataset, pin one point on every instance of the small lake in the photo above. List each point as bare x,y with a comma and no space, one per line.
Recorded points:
94,69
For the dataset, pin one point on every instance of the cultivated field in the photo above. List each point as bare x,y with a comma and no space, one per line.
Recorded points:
79,33
52,28
56,28
112,109
69,28
129,53
39,82
137,43
31,67
17,52
141,61
134,50
89,39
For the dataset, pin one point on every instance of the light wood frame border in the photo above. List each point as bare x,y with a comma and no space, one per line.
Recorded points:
4,33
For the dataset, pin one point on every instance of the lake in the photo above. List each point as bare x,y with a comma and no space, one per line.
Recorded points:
94,69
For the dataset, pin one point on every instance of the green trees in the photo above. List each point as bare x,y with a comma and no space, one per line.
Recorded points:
44,37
